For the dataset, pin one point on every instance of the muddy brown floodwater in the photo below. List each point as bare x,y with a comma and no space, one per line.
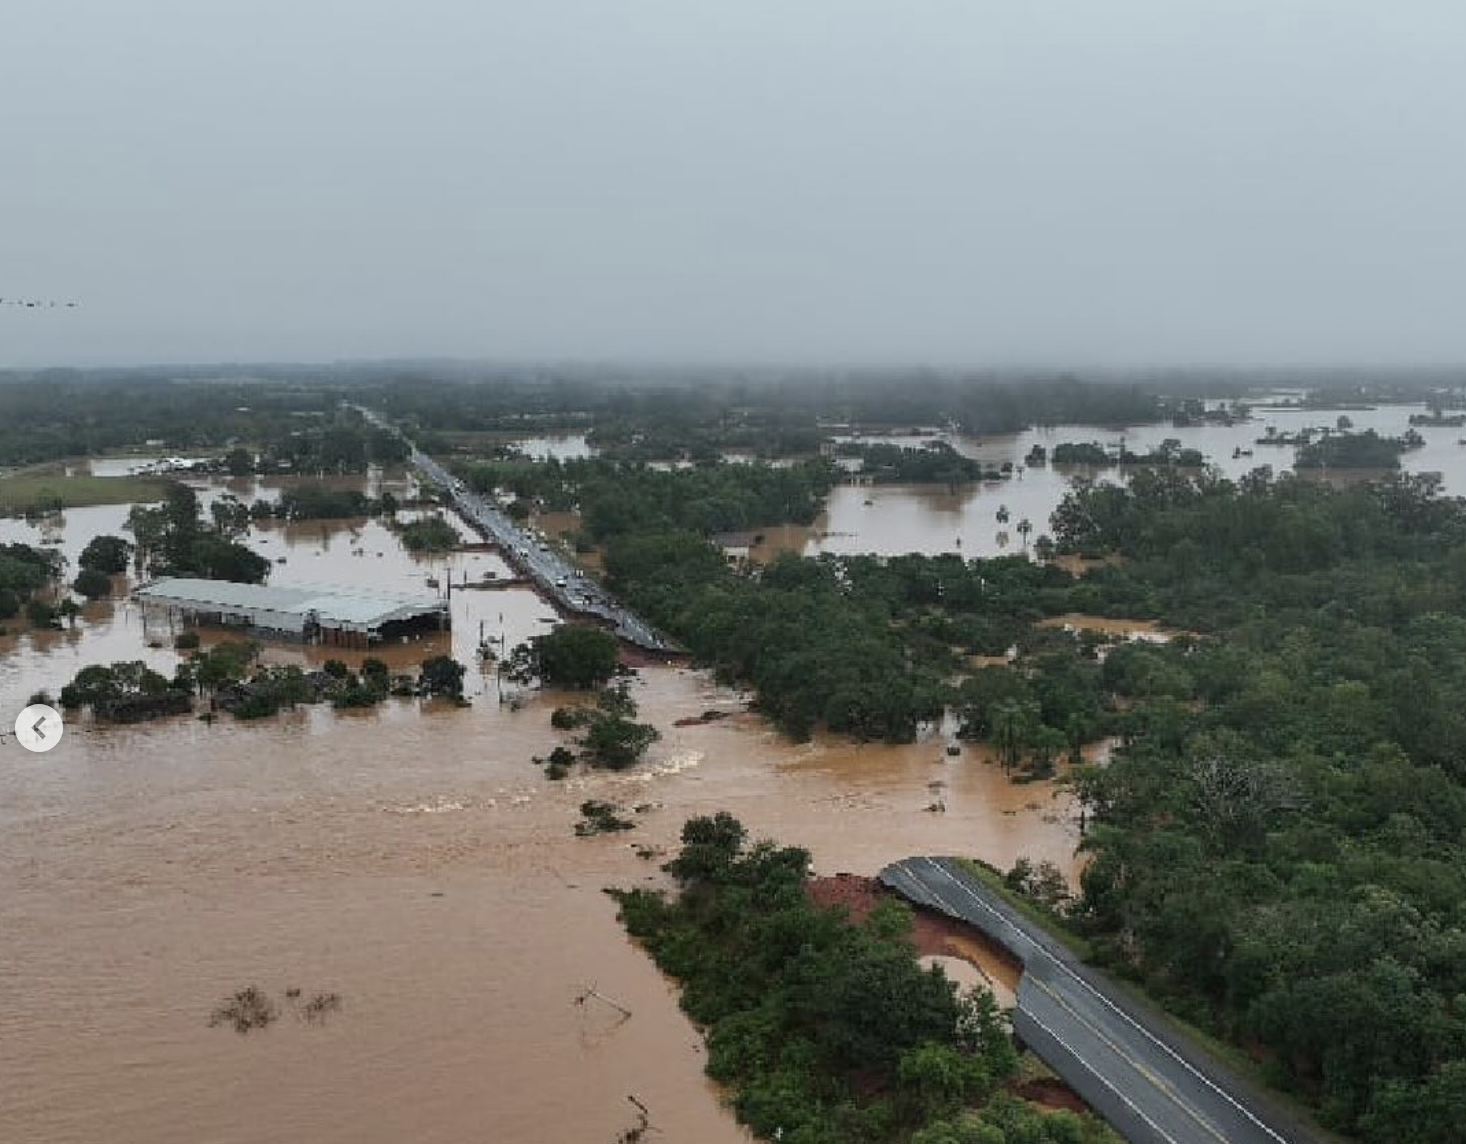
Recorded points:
411,859
894,519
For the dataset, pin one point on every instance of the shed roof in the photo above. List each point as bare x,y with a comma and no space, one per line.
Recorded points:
353,608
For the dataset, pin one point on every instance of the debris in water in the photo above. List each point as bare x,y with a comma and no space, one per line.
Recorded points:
320,1006
643,1124
590,991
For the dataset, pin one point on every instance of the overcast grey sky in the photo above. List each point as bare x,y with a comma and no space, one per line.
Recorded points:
943,181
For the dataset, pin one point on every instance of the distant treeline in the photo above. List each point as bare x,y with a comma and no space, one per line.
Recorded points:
768,417
269,425
643,413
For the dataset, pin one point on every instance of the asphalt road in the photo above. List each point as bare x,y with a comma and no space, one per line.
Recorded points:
1149,1081
556,577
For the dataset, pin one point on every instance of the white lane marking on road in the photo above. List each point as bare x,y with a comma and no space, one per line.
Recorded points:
1130,1104
1177,1057
1156,1081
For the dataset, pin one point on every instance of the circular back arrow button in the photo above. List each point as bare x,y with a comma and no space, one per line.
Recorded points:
39,728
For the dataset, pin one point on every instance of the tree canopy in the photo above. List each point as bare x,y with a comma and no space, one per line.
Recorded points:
828,1032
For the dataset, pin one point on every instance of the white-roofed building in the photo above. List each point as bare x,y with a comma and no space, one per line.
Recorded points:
350,617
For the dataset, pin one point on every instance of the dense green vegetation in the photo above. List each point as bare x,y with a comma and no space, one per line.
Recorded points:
610,737
24,570
861,645
125,692
313,502
102,558
231,678
936,462
617,499
1367,450
274,419
442,676
172,540
107,554
575,656
1280,848
291,421
692,433
339,442
1168,452
1081,453
829,1032
429,534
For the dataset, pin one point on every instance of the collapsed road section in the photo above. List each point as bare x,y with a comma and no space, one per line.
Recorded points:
1150,1082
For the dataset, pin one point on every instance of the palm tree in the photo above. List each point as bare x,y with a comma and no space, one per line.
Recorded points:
1002,514
1010,729
1024,528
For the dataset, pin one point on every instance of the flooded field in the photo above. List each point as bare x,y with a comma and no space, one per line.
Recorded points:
413,860
409,858
892,519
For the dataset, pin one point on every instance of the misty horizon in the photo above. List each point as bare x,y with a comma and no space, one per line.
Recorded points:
1247,186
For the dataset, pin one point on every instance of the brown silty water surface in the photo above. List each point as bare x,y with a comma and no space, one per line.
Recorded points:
894,519
410,858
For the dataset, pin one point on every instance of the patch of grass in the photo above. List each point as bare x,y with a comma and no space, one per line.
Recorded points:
1049,922
43,491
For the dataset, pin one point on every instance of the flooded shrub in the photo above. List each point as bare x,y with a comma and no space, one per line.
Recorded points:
318,1008
568,718
376,674
442,675
249,1009
93,584
430,534
601,818
252,1008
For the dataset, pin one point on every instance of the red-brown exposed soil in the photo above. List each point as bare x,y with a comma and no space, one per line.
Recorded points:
935,935
1051,1093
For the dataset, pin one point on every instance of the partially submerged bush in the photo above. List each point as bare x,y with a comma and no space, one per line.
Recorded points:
598,817
249,1009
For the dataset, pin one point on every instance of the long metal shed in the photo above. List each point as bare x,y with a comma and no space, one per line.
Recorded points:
310,612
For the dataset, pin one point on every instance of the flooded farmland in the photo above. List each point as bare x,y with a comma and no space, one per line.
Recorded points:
412,860
892,519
